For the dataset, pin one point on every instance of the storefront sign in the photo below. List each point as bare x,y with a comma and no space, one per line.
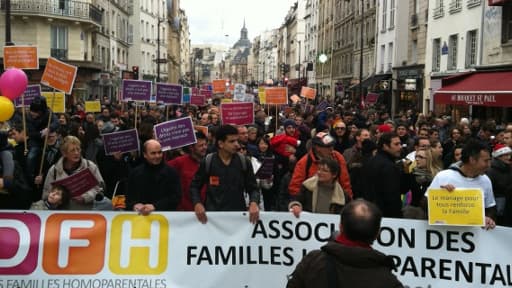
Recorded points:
484,99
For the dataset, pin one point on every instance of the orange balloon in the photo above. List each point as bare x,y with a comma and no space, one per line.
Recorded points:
6,108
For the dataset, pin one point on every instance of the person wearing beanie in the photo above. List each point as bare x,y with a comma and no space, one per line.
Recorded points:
500,174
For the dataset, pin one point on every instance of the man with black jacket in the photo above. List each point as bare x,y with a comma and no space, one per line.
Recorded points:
153,185
349,261
227,175
386,179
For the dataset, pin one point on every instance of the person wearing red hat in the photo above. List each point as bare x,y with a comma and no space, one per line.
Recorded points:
500,174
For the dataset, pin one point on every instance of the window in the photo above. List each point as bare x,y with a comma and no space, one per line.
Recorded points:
59,42
439,9
471,48
391,14
414,51
506,21
436,55
382,55
452,52
390,57
384,10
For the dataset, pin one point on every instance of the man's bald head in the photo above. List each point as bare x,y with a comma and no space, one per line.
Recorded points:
360,221
152,151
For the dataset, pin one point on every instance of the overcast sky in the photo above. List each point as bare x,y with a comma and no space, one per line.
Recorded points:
210,21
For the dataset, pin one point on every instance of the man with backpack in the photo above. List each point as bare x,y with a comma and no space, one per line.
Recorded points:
227,175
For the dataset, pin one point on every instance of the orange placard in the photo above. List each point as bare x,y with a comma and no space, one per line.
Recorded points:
203,129
308,93
22,57
219,86
59,75
276,95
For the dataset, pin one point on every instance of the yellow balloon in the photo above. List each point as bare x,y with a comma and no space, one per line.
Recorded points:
6,108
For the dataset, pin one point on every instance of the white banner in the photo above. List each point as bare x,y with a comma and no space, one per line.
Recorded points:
118,250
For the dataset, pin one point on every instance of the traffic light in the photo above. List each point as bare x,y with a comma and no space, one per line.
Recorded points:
135,70
282,67
286,68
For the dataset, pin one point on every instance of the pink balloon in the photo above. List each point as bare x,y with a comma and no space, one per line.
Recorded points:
13,83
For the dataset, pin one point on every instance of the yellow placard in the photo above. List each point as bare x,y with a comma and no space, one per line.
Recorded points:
226,100
461,207
57,103
92,106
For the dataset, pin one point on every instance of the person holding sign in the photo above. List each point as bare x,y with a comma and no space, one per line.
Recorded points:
69,164
153,185
321,193
227,175
470,173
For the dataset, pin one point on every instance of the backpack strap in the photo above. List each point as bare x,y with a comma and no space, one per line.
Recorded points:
309,162
208,163
243,159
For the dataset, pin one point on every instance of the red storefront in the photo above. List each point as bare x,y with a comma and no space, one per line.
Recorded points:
476,92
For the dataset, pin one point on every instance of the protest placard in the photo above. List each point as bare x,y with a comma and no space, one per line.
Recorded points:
30,93
21,57
276,95
461,207
78,183
308,93
93,106
55,101
169,93
136,90
122,141
219,86
59,75
175,133
237,113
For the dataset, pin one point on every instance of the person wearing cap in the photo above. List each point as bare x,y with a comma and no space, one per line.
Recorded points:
307,166
470,173
500,174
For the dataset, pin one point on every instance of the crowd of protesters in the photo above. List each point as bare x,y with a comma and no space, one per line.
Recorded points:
321,159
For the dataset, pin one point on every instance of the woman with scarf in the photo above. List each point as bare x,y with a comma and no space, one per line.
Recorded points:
321,193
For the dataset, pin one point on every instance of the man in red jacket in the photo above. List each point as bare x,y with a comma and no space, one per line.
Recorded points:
187,166
307,167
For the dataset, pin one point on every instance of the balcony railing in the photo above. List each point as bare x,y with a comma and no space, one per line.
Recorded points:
473,3
438,12
455,6
61,54
72,9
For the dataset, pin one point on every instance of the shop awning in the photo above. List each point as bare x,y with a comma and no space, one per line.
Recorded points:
493,89
370,81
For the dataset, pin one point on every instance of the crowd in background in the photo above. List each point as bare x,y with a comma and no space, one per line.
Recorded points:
332,151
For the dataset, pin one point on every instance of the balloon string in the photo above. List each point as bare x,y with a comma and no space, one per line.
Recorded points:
24,122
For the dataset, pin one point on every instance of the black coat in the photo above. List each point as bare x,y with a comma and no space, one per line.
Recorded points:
158,185
501,177
355,267
384,184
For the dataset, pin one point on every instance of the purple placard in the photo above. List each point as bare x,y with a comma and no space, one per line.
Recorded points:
78,183
197,99
136,90
124,141
267,168
175,133
206,93
169,93
30,93
240,113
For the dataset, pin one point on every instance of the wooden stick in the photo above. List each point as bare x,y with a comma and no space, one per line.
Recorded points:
136,112
24,121
47,133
